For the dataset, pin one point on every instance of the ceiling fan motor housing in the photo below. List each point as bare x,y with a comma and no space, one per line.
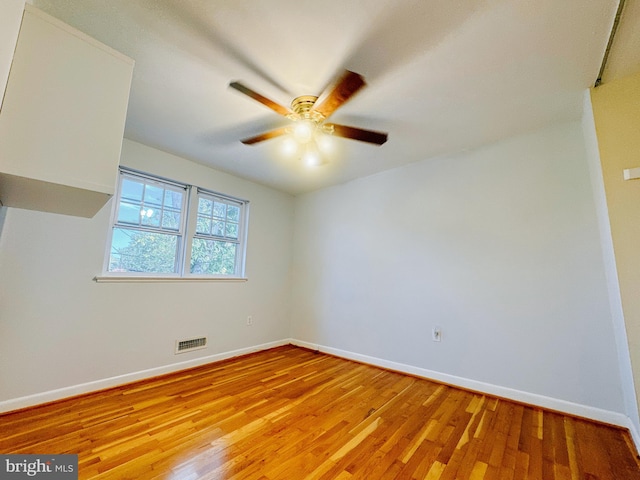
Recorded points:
302,106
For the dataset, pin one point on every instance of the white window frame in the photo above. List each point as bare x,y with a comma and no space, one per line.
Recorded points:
240,241
186,233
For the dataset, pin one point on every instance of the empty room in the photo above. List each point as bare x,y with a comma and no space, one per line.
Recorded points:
357,239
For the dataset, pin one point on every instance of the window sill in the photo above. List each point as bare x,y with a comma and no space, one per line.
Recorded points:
123,279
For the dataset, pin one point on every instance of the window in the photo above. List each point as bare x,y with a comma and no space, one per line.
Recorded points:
153,233
216,243
148,229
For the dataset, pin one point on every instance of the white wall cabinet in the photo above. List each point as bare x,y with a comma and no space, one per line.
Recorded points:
10,18
62,119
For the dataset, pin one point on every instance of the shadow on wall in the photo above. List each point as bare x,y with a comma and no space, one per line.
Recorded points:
3,213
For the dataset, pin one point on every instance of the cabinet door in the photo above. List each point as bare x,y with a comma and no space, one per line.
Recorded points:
63,116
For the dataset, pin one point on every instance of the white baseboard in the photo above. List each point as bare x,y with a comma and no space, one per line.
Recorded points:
71,391
585,411
635,436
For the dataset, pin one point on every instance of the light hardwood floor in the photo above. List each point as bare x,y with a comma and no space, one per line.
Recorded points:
290,413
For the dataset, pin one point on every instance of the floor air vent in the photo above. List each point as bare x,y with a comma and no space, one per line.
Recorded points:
183,346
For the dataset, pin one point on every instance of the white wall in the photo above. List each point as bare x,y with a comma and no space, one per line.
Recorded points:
617,315
499,247
61,330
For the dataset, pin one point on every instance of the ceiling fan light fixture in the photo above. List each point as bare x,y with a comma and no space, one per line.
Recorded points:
290,147
304,130
312,158
325,143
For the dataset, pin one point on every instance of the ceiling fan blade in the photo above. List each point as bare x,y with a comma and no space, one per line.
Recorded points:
338,93
266,136
354,133
260,98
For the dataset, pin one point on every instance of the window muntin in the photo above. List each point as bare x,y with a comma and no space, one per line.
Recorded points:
150,204
152,236
218,217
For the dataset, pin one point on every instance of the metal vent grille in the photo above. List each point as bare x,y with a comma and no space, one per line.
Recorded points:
191,344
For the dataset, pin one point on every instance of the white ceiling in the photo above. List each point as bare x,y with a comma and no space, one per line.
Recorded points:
443,76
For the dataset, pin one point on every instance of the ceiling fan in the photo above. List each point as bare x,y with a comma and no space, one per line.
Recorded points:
309,113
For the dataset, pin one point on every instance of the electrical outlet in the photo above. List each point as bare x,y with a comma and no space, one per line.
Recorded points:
436,334
249,321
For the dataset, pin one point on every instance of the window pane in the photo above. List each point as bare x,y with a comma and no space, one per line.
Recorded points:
213,257
219,210
218,229
233,213
171,220
173,200
153,195
132,190
150,217
129,213
204,225
145,252
205,206
232,230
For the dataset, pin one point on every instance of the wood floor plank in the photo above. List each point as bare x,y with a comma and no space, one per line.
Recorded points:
291,413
